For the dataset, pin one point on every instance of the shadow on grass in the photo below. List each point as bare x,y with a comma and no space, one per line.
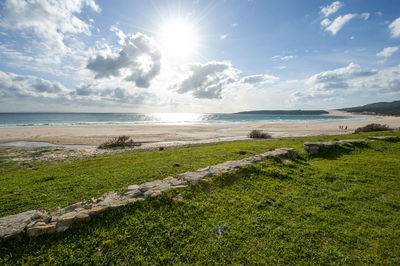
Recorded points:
336,152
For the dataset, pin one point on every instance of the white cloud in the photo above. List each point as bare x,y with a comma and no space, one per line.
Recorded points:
325,22
50,22
207,81
101,94
364,16
339,22
283,58
338,78
31,91
254,79
394,28
233,25
223,36
14,86
332,8
345,85
138,61
388,51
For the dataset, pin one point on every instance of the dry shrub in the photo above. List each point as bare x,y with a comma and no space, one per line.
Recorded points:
257,134
372,127
120,142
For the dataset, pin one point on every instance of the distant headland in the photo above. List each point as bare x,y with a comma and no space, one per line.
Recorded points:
285,112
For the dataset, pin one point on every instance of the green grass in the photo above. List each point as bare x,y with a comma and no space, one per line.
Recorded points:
59,185
339,208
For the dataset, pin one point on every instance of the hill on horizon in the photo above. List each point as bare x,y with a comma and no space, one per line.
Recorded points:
379,108
285,112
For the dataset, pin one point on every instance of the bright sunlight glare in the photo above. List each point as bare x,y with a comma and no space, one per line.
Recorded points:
179,38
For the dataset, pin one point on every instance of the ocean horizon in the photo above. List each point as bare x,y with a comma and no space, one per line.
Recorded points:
75,119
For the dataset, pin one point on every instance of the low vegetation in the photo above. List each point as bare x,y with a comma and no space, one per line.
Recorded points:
119,142
258,134
372,128
338,208
380,108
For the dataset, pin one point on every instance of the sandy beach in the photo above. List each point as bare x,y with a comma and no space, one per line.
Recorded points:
175,134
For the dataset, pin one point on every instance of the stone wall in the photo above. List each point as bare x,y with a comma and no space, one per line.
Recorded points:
317,147
38,222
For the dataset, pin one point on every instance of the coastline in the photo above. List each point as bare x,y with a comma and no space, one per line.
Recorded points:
167,135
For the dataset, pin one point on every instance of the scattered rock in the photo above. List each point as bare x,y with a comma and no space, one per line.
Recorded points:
178,197
269,202
176,165
161,148
287,162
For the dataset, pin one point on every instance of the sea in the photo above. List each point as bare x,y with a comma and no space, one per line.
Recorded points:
72,119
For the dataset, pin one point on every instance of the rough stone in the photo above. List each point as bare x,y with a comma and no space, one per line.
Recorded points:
133,187
155,193
133,193
64,221
180,186
316,147
39,213
174,182
95,210
269,201
70,208
178,197
112,200
13,225
383,138
149,185
82,216
38,230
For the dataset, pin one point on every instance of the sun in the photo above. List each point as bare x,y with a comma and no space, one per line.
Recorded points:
179,38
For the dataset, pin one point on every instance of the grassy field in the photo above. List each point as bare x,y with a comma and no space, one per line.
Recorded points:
52,184
339,208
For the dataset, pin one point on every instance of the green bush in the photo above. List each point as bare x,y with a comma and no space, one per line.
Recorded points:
372,127
121,141
257,134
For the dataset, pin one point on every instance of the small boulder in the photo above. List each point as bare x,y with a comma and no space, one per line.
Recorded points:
269,202
178,197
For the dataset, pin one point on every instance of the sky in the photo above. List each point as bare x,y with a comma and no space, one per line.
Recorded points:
198,55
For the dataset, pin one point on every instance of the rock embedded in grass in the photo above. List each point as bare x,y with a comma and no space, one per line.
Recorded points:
393,138
316,147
